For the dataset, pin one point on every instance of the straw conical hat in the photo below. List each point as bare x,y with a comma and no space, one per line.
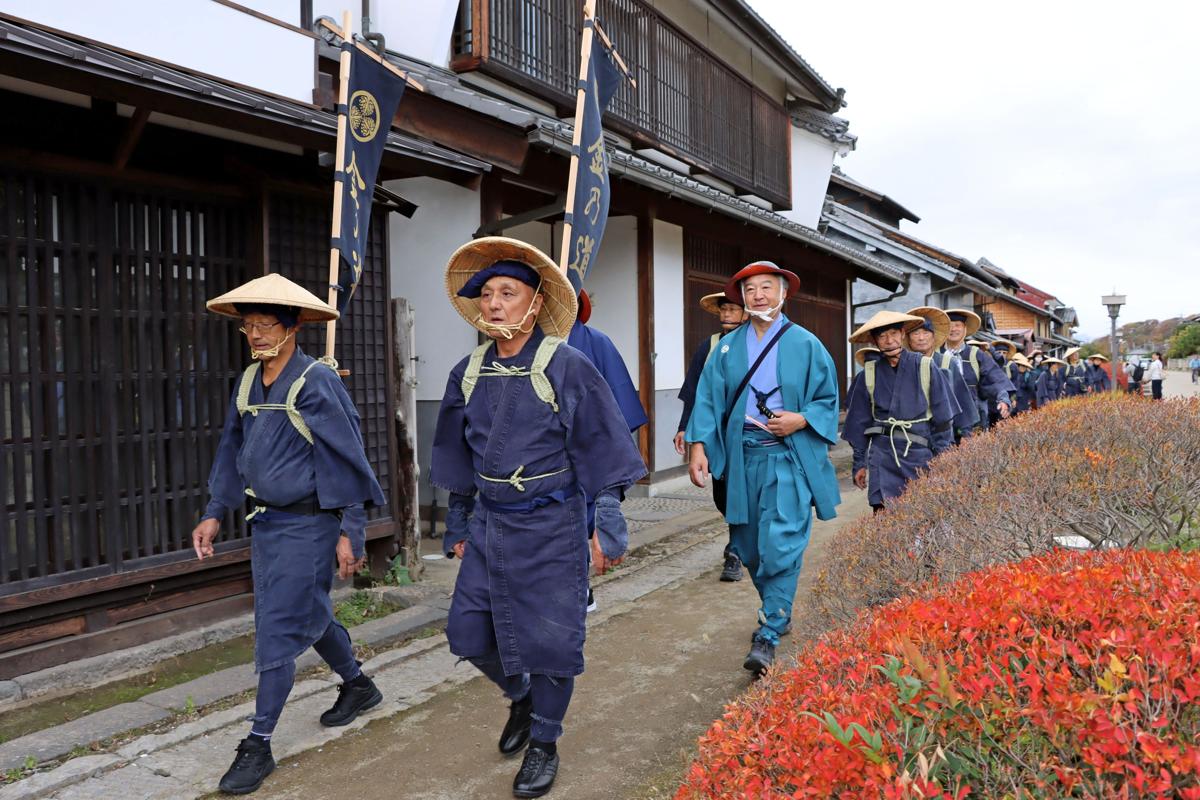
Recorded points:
1053,360
980,344
884,319
972,319
1003,343
712,302
941,323
274,290
559,305
1070,352
1100,356
1020,358
861,354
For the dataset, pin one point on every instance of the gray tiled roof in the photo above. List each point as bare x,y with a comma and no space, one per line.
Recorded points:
105,62
835,129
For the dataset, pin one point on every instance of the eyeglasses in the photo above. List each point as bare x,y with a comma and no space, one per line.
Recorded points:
257,327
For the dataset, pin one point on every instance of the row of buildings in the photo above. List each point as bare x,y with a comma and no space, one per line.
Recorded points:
150,160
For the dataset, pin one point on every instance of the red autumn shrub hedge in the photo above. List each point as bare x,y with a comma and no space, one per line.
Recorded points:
1066,675
1109,470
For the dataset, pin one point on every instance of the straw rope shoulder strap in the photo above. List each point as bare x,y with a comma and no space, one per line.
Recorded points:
536,372
289,405
902,425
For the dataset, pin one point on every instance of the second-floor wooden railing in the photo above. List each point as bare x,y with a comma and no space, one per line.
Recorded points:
688,102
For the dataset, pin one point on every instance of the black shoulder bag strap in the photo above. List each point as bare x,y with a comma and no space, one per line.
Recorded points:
753,368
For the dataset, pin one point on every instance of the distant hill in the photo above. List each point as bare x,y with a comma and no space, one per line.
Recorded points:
1139,337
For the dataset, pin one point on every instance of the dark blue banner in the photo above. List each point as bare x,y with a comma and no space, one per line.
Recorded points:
590,209
374,94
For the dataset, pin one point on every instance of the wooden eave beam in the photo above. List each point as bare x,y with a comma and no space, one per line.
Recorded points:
131,136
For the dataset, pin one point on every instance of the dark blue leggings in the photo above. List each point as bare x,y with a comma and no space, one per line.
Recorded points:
551,695
274,685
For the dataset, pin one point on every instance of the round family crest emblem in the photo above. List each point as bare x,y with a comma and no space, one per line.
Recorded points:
364,116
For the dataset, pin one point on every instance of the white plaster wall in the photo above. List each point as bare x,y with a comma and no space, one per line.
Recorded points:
812,163
669,358
419,29
251,51
612,285
446,218
537,234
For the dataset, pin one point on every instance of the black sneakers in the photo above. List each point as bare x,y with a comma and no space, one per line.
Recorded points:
760,657
354,697
516,731
537,773
733,568
250,767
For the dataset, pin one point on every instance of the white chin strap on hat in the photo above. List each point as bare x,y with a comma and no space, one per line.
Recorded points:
766,316
270,352
509,330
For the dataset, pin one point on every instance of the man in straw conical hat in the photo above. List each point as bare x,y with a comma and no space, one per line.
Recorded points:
730,314
900,414
765,417
1075,374
927,340
1050,382
979,369
1098,380
291,448
526,431
1025,380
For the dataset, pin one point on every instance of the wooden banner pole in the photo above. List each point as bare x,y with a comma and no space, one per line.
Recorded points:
585,57
339,168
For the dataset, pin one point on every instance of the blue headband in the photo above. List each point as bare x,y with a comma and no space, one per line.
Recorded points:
954,317
895,326
508,269
288,316
927,325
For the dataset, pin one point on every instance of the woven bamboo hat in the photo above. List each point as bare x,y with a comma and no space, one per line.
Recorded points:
712,302
1020,358
969,318
884,319
559,304
1099,356
1005,344
273,290
1053,360
1071,351
980,344
937,318
861,354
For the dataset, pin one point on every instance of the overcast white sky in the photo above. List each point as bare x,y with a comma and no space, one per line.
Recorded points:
1059,140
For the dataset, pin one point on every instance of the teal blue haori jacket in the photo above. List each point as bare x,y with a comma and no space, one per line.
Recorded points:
808,380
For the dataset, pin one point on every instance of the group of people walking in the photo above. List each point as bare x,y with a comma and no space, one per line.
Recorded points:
533,444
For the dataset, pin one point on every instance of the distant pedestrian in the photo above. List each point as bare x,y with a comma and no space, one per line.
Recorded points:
1156,376
1136,372
1194,366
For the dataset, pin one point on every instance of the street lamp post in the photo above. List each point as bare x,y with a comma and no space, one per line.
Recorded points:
1114,303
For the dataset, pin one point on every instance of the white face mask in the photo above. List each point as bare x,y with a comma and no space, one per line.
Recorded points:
509,330
766,316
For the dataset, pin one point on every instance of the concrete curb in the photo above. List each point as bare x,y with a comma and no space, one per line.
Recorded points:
408,676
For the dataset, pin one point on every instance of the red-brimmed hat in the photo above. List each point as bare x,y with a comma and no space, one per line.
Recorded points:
733,291
585,307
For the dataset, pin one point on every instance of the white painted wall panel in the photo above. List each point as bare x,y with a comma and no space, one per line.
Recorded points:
419,29
812,163
669,362
420,247
197,35
612,285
